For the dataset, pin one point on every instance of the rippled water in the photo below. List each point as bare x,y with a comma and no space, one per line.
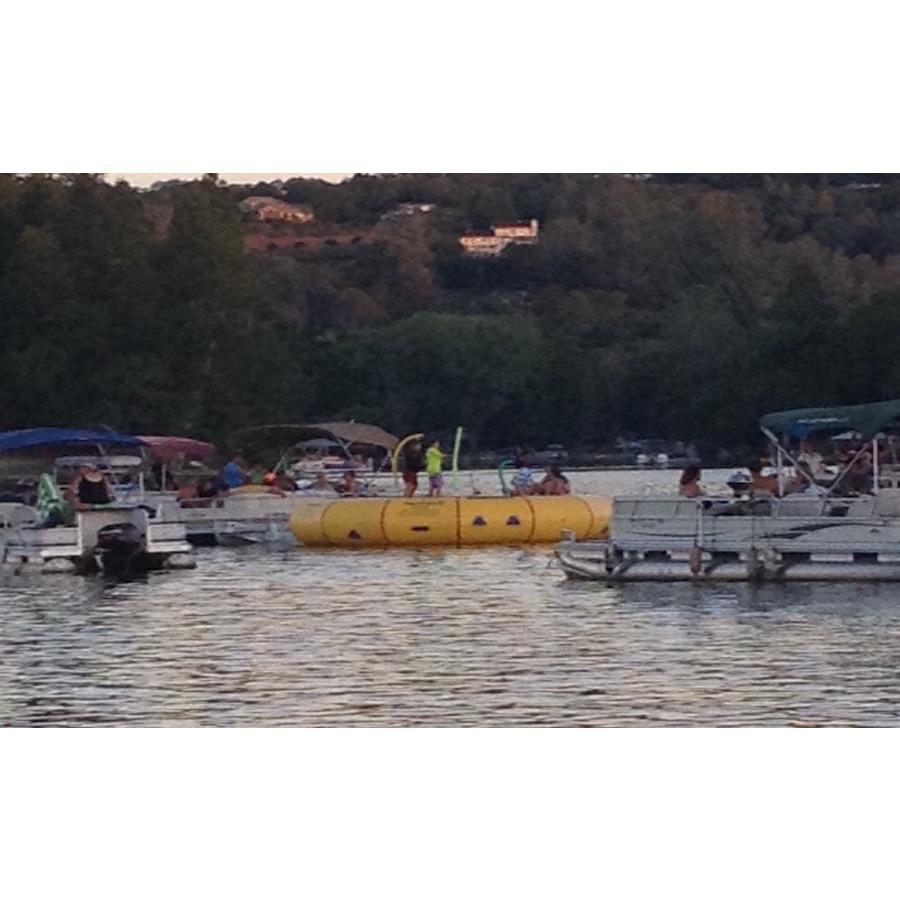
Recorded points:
485,636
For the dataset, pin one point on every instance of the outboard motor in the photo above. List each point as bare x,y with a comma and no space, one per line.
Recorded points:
119,548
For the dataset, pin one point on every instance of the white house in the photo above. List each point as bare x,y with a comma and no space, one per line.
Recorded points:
482,243
520,232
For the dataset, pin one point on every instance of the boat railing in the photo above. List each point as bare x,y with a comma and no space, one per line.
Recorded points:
684,523
866,506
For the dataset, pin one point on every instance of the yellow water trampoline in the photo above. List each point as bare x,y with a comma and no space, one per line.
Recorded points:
450,521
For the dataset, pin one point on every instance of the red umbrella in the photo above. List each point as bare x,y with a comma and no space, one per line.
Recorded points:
165,448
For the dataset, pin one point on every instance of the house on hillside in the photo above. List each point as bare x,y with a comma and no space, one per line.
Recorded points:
500,236
482,243
518,232
408,209
271,209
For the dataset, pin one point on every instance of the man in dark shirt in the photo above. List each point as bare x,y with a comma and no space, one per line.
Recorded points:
413,463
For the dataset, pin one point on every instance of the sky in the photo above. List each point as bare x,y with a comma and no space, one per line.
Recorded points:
145,179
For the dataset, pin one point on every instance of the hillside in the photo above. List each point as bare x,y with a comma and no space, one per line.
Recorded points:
677,306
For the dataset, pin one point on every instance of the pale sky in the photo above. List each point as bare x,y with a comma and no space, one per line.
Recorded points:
145,179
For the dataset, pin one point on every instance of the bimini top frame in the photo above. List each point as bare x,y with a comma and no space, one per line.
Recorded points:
869,420
342,434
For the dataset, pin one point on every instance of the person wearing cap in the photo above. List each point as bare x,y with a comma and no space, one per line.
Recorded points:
89,489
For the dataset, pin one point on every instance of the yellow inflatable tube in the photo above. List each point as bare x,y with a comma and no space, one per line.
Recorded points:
454,521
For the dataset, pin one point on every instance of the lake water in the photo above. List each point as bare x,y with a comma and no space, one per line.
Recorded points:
442,637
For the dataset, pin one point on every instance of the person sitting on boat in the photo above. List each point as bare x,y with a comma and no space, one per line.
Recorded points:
803,484
759,483
689,482
858,479
89,489
349,486
233,475
523,482
285,483
554,483
270,484
206,489
322,487
810,456
197,493
256,475
187,491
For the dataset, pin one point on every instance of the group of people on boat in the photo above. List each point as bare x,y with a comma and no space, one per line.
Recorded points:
92,487
237,477
810,476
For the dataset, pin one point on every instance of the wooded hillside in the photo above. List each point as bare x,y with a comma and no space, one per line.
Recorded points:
671,306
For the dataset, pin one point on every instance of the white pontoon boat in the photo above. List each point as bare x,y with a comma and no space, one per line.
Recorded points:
790,537
119,537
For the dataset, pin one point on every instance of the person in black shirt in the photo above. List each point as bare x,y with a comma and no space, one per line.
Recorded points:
89,489
413,463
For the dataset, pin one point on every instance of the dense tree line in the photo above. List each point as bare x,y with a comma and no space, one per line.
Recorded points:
672,306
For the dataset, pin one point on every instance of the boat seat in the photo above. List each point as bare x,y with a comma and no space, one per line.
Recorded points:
887,502
804,507
861,508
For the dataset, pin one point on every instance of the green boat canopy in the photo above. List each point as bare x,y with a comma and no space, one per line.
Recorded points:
867,419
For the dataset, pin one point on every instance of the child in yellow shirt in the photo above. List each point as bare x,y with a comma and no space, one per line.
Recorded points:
433,461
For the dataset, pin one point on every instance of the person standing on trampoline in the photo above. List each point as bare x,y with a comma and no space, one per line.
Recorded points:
412,465
434,460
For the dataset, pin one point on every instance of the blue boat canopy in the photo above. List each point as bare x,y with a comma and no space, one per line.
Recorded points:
867,418
31,438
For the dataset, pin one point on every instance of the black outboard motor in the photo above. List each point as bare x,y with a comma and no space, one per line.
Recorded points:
120,549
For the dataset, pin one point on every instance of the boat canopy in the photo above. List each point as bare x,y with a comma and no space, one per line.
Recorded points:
340,432
165,448
32,438
867,419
